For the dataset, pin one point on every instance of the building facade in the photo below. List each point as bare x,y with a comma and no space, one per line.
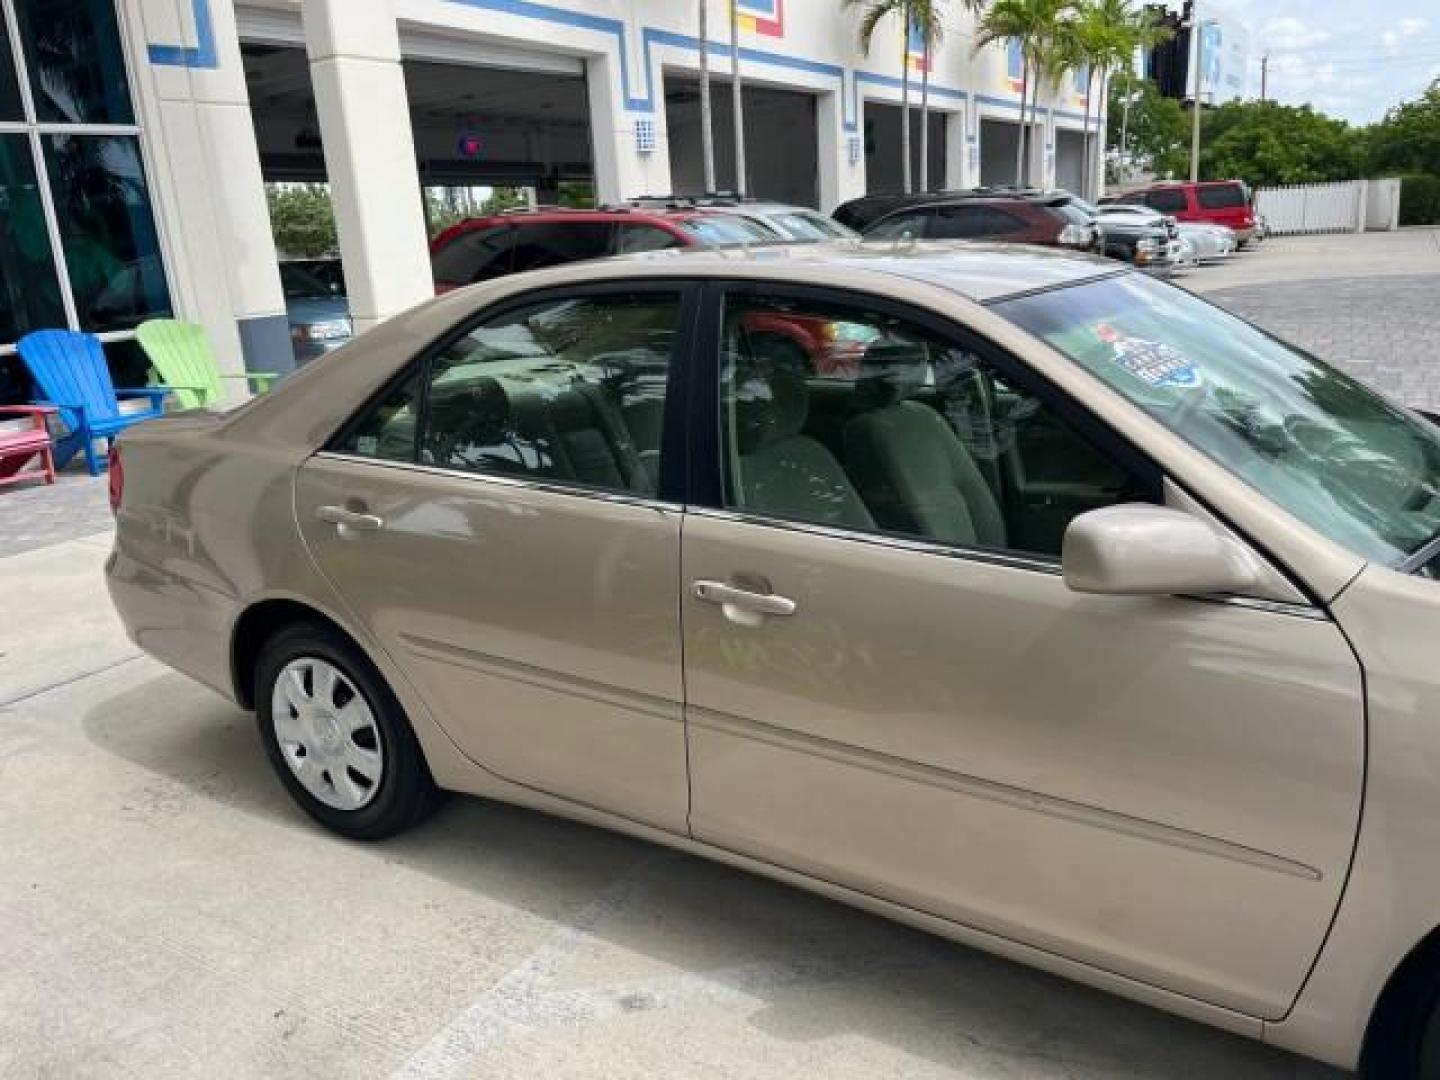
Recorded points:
137,136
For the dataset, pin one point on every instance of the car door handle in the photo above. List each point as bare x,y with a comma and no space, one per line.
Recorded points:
346,519
739,603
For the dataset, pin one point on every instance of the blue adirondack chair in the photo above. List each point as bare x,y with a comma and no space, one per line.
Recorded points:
69,369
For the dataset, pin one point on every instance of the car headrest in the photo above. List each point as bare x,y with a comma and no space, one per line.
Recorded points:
771,402
890,371
480,410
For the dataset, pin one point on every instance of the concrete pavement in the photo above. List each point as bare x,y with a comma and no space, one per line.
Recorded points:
165,912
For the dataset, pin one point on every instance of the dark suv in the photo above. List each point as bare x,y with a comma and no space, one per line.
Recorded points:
480,248
1044,219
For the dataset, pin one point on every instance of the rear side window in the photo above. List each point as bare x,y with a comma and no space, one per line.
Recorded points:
1168,200
1221,196
474,256
543,244
965,222
568,390
635,238
914,224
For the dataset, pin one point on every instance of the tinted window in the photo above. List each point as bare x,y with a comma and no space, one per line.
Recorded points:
301,283
964,222
913,224
29,289
476,255
10,105
112,252
77,69
929,440
569,391
635,238
542,244
1168,200
1221,196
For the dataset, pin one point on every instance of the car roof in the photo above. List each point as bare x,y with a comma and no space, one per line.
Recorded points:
977,271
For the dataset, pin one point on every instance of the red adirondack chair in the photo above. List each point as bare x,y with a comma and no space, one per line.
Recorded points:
18,448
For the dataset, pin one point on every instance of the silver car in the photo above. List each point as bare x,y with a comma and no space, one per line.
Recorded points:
786,220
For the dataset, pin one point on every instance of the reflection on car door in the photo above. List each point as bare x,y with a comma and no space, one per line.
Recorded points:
495,524
1164,788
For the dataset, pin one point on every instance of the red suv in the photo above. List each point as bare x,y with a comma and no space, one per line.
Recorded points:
477,249
1215,202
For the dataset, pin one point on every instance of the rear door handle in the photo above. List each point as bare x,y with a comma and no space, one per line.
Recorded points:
344,519
741,605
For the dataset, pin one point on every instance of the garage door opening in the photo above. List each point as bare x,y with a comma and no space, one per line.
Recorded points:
997,152
780,140
883,170
1070,161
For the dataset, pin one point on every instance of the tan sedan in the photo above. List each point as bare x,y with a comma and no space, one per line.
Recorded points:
1075,618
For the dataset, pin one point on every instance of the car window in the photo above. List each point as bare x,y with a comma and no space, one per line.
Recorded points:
1167,200
925,440
569,391
912,224
728,230
964,222
634,238
541,244
300,283
1221,196
476,255
808,225
1310,438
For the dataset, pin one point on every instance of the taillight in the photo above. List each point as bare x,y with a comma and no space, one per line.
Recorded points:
115,476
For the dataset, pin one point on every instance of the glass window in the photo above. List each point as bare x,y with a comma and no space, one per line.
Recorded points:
965,222
555,243
808,225
635,238
29,288
898,226
1316,442
569,391
76,66
472,256
112,252
1221,196
11,107
926,440
1168,200
727,230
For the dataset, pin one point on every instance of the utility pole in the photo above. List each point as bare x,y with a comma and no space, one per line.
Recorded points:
737,99
707,129
1197,31
1264,74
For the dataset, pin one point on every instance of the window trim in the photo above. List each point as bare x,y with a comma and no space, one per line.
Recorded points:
706,482
670,487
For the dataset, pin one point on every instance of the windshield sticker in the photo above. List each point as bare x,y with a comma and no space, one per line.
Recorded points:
1152,362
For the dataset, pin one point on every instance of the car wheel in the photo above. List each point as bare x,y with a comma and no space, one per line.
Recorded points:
1404,1040
337,736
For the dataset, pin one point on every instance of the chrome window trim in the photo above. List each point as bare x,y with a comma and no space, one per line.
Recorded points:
546,486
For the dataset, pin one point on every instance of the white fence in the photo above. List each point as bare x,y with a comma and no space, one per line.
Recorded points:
1329,208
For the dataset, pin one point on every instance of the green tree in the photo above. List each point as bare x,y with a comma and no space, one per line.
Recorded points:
1035,25
1408,139
302,219
874,13
1157,133
1268,144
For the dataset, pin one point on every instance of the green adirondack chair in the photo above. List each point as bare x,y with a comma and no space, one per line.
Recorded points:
181,357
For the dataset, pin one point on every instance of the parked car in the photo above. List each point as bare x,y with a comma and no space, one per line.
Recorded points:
1090,624
1216,202
1149,241
1047,220
481,248
1210,243
316,306
788,221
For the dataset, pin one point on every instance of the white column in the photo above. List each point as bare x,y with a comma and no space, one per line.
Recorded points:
209,197
840,179
354,51
628,161
957,150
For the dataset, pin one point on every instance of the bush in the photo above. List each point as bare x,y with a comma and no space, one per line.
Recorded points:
1420,200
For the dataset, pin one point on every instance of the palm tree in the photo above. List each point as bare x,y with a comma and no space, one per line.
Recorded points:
1117,31
925,17
1031,23
876,12
736,99
707,128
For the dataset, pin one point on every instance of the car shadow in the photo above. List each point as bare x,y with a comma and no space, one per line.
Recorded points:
797,967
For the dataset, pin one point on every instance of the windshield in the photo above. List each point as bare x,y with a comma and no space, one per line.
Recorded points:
1337,456
298,283
808,225
725,230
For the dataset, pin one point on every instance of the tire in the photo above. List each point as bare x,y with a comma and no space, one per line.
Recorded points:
337,737
1404,1043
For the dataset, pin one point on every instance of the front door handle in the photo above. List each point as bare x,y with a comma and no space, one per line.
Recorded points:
347,520
742,605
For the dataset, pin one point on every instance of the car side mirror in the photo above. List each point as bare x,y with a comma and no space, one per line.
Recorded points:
1143,550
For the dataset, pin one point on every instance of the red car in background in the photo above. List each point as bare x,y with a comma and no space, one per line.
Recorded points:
1214,202
481,248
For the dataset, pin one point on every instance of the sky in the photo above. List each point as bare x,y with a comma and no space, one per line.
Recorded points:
1349,58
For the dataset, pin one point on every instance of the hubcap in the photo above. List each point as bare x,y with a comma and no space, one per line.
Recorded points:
327,733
